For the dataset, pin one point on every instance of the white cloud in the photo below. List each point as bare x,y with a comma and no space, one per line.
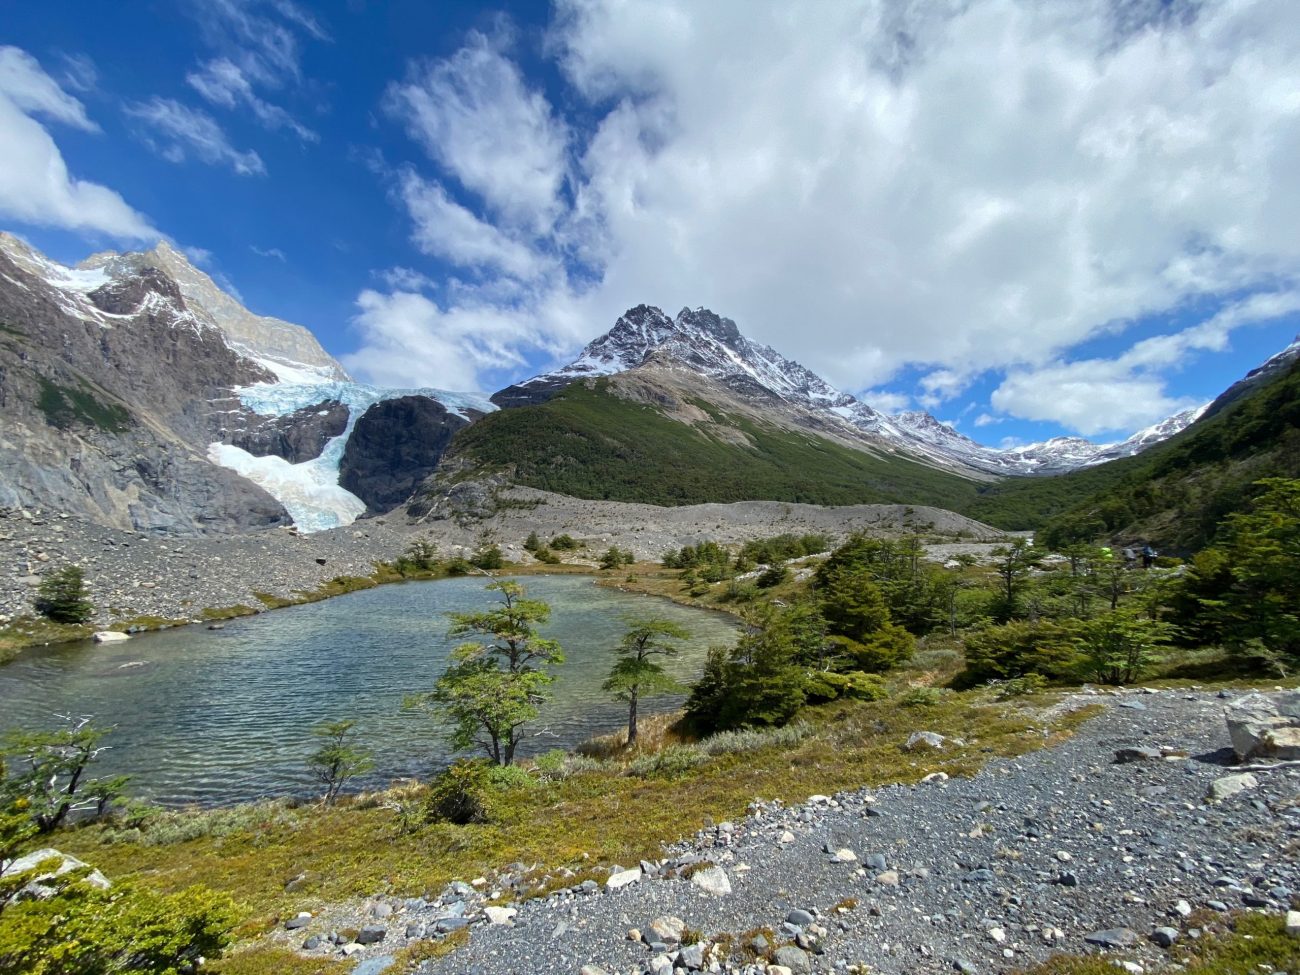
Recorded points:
988,419
1130,391
1092,396
885,400
31,90
444,228
79,72
964,187
476,118
35,185
176,132
200,256
269,252
261,36
223,83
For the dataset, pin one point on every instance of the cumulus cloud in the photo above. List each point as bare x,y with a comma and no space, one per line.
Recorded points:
474,115
35,185
1130,390
867,185
223,83
177,132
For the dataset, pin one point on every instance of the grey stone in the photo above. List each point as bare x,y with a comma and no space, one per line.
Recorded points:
312,943
62,863
795,959
712,880
1165,937
373,966
294,923
668,929
799,918
1124,755
923,740
1231,785
1255,721
1113,938
692,957
372,934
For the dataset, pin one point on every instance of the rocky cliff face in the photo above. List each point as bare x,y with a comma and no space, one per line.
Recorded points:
104,389
282,346
395,445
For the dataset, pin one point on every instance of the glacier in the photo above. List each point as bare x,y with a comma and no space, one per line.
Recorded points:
310,491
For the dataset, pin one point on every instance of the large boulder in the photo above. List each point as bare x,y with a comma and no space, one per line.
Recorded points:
1265,725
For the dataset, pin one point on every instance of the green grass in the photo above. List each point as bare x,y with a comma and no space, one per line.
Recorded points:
1247,944
66,406
589,443
1174,493
583,820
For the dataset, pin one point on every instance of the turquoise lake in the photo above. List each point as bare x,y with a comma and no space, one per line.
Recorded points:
203,716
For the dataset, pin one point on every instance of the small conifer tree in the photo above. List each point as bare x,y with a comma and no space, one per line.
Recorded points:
63,596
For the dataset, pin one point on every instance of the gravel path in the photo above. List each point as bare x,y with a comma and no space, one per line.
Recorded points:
1031,856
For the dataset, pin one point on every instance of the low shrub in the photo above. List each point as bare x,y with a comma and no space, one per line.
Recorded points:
673,762
459,793
753,739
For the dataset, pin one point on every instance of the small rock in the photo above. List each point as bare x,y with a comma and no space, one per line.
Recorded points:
1230,785
712,880
668,928
844,855
301,921
997,935
372,934
500,915
351,949
1183,909
312,943
924,740
692,957
110,636
792,958
1113,938
799,918
785,838
935,777
591,970
623,878
1293,923
1165,937
888,878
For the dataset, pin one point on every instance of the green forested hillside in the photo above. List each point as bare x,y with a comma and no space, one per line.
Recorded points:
1176,492
590,443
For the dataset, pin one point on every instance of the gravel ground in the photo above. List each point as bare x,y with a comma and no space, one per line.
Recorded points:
1032,856
131,574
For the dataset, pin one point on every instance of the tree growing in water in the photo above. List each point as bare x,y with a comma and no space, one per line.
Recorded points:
637,674
496,684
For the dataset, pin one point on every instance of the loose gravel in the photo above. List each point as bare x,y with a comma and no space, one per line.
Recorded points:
1066,849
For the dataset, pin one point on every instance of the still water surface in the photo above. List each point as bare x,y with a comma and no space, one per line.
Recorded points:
226,716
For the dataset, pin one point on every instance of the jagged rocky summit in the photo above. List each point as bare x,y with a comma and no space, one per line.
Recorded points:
713,346
139,395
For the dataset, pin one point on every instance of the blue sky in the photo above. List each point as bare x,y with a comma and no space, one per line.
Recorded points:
1030,218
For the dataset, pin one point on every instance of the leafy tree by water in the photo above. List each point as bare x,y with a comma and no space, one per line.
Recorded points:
63,597
496,684
637,674
47,772
338,759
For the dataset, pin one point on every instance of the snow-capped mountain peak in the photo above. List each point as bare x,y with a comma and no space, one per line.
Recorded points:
714,346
